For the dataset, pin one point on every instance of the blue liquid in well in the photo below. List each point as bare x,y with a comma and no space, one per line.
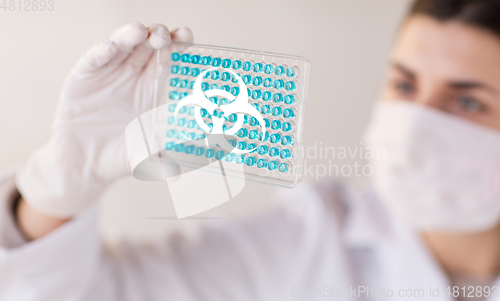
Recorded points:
275,138
289,99
283,167
232,117
209,153
242,133
226,76
266,96
286,140
256,94
235,91
272,165
175,69
181,121
285,154
195,72
290,86
195,59
241,145
278,97
170,133
186,58
185,70
179,148
199,151
247,66
257,67
253,121
288,113
189,149
206,60
263,150
172,106
229,157
279,70
173,95
268,69
257,81
277,111
219,155
175,56
169,145
246,79
262,163
216,61
215,74
252,147
253,134
226,63
264,137
276,125
250,161
279,84
274,152
184,83
236,64
240,159
265,109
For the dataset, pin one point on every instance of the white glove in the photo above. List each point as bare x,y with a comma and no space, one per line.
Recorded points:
110,86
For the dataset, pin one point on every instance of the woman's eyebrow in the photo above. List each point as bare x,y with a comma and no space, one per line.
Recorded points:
403,69
471,85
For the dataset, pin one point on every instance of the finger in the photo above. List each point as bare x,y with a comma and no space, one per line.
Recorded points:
184,35
159,36
96,57
141,55
126,39
129,36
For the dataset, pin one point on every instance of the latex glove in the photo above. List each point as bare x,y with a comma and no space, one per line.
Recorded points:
110,86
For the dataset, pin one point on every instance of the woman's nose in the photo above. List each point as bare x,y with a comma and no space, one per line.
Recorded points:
432,99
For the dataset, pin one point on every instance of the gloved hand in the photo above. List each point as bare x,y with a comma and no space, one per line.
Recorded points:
110,86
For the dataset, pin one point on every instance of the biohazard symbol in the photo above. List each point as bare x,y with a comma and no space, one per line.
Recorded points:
239,106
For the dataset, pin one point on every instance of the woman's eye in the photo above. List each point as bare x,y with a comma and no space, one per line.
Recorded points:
470,104
404,87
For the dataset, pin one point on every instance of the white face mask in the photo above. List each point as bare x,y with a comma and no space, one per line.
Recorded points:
440,172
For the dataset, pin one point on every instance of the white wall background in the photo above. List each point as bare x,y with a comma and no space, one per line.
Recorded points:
347,42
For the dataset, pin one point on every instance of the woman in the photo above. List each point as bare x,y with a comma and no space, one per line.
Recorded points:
428,229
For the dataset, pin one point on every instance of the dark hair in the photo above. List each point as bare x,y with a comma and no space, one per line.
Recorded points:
482,13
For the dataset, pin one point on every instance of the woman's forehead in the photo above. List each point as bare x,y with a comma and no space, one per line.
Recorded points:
448,49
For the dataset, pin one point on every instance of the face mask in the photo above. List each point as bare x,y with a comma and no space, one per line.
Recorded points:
434,170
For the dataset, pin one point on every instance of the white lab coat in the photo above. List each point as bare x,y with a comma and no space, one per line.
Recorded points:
323,240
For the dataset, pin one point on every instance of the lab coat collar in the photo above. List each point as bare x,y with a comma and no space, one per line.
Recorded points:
405,262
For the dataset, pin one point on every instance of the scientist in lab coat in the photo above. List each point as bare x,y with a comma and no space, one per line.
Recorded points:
427,228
